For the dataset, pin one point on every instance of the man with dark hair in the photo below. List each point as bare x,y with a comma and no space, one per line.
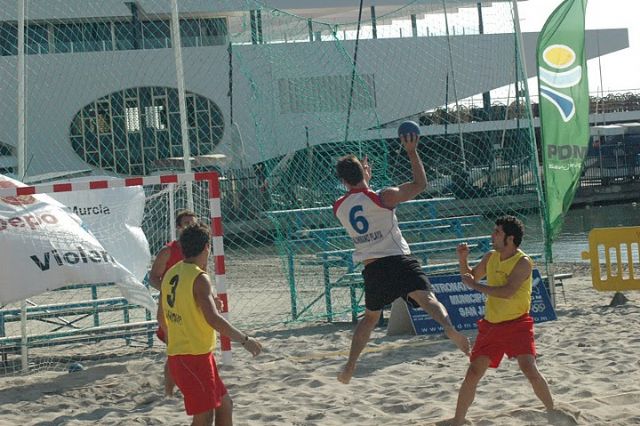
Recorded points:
192,320
389,270
506,327
168,256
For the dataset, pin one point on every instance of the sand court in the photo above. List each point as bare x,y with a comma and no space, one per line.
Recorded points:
590,356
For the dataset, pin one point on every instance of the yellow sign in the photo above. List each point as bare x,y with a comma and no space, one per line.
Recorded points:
614,255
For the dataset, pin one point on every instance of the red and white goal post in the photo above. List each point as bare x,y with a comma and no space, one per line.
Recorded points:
212,195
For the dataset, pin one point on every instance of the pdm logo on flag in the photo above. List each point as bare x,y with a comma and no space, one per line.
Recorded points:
557,57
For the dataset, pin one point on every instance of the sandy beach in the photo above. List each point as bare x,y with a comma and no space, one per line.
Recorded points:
590,356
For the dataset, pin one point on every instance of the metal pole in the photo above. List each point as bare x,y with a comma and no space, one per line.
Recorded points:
374,28
172,211
20,154
604,120
414,25
486,96
259,26
177,51
254,27
353,75
24,341
21,142
455,92
545,233
230,94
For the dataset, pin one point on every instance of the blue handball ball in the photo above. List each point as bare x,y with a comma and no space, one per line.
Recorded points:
408,127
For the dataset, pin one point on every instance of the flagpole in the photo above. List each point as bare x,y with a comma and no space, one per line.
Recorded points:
548,253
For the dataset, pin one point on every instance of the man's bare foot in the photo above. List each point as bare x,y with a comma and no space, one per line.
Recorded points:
565,415
460,340
345,375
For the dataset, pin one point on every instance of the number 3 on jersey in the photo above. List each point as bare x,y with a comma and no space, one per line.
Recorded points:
171,297
358,222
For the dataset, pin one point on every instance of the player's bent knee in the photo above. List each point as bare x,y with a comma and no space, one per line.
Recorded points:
423,296
531,372
477,368
528,366
226,403
371,316
475,372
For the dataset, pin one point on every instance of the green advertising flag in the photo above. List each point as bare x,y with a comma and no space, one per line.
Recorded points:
564,107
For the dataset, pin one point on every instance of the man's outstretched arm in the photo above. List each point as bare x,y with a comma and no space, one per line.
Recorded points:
391,197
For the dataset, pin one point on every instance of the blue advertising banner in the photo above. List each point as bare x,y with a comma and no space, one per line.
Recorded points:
466,306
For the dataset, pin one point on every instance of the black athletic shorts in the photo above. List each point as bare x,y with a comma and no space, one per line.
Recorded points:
391,277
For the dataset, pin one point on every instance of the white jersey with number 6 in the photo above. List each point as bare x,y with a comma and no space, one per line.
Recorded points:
372,227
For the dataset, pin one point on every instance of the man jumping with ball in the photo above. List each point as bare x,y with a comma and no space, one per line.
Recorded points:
389,270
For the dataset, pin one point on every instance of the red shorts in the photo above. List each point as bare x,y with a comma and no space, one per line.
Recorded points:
161,335
197,378
512,338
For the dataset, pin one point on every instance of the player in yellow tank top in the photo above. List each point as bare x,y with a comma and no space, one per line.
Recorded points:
190,332
500,309
507,327
165,259
192,319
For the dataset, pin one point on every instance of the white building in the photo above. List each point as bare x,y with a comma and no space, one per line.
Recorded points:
101,88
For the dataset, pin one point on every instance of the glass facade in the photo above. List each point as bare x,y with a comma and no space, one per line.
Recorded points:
5,149
8,152
130,130
43,38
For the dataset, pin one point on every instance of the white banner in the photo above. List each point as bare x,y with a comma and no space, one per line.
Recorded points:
114,217
44,247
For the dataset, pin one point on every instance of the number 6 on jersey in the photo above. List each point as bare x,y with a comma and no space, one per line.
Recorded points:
359,223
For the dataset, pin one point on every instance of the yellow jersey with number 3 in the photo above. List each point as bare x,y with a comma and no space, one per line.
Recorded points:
498,309
188,330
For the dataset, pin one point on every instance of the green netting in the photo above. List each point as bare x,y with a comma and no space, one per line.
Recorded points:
318,92
271,100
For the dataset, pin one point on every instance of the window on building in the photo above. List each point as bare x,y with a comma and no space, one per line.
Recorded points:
100,36
6,149
156,34
214,31
8,39
124,35
36,39
129,131
97,36
67,38
132,114
190,32
153,117
7,165
104,117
